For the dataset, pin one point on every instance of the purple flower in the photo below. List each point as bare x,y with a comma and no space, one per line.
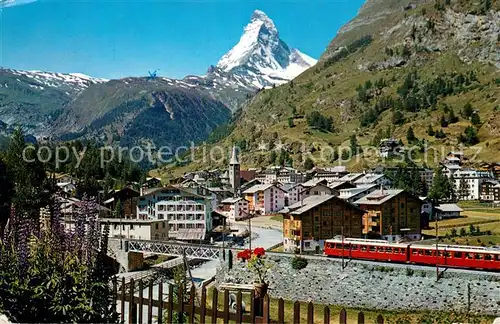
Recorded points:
22,243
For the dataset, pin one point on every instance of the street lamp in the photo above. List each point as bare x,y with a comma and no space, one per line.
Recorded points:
437,248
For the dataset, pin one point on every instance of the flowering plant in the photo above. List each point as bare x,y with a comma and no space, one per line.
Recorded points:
256,262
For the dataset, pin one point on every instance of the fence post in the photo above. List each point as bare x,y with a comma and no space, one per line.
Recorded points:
281,311
258,305
361,318
238,307
203,310
160,297
252,306
141,303
310,313
150,302
326,315
180,307
215,305
122,303
265,312
191,304
131,305
226,306
296,313
343,316
170,303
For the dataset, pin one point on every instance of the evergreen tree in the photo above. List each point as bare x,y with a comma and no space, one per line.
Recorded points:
442,188
6,193
355,148
398,118
475,119
451,117
31,190
440,134
118,212
308,164
463,190
410,135
346,155
272,157
444,122
283,158
469,137
468,110
430,131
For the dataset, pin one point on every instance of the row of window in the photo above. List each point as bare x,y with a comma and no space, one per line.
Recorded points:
176,227
181,207
181,217
420,252
457,254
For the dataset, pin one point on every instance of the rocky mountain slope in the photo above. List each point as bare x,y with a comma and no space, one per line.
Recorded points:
132,111
432,65
35,99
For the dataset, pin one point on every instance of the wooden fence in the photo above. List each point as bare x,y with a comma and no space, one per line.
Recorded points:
196,310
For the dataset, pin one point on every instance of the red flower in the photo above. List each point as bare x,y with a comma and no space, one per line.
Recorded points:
259,252
244,255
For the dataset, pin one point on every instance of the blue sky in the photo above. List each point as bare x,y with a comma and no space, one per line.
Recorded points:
112,39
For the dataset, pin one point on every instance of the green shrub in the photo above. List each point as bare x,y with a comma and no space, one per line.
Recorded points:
410,272
299,263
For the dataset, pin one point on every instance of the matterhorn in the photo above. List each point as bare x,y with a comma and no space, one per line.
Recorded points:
261,58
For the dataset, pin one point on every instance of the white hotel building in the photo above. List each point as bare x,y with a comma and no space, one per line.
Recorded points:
184,211
468,183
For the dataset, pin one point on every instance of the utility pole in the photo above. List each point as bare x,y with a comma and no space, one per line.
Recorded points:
250,230
224,240
342,233
437,249
468,302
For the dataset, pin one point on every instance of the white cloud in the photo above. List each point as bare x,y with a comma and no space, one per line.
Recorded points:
12,3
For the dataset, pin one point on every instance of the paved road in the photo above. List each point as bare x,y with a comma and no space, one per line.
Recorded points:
264,237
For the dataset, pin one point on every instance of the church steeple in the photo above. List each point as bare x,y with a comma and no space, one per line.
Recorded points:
234,157
234,171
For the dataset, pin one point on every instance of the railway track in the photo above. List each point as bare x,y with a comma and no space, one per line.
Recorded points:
386,264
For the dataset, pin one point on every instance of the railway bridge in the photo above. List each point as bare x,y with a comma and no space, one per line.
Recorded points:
129,253
191,251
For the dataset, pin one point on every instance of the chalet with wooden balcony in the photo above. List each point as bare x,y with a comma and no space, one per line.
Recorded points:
391,215
307,223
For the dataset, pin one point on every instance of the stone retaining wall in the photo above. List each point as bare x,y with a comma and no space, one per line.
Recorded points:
373,286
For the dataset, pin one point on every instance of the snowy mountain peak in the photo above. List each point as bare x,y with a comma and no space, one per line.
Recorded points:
261,18
261,57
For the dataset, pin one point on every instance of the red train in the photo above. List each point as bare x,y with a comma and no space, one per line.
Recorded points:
469,257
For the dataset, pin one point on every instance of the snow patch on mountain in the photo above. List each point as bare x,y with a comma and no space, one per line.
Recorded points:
12,3
261,58
78,81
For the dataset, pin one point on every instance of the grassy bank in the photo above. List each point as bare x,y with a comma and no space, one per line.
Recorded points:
488,222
